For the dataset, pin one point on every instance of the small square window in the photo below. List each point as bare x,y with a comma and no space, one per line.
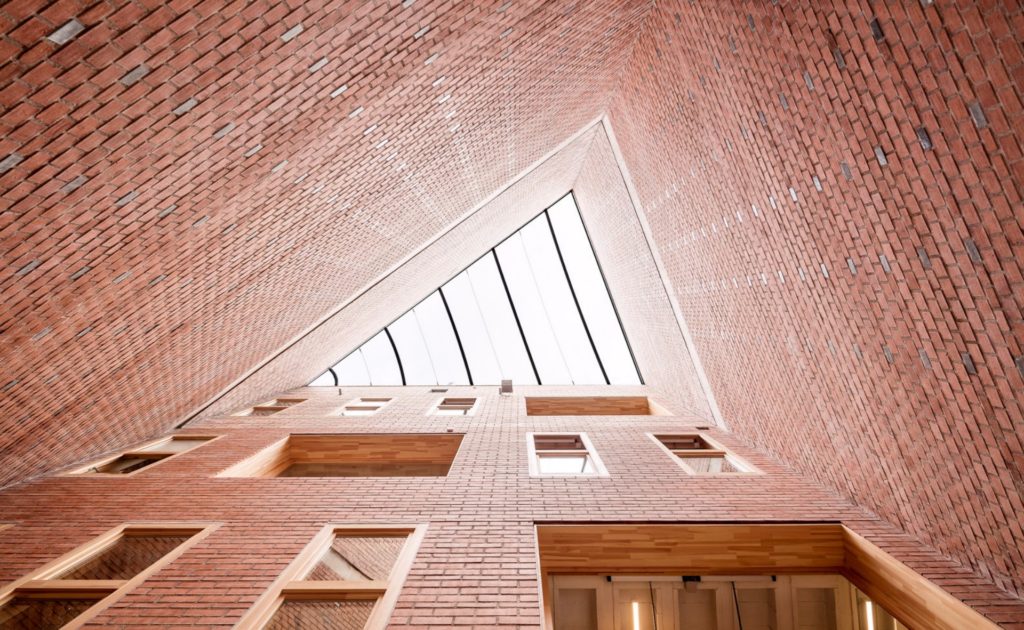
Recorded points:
364,406
563,454
700,455
456,407
272,407
137,459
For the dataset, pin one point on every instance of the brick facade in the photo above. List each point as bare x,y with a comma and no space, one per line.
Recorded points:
855,296
204,204
153,218
477,565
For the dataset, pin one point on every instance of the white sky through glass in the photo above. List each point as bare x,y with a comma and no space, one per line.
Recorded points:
545,264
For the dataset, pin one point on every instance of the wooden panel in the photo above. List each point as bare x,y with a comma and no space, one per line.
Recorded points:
691,549
910,597
57,588
354,448
754,549
587,406
268,462
334,590
353,455
382,469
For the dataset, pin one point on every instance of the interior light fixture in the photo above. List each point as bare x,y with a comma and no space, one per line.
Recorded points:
869,613
636,615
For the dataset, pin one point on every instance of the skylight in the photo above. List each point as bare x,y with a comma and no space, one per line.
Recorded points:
535,309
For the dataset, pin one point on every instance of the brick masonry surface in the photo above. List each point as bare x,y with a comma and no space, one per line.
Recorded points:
477,565
189,185
835,190
587,167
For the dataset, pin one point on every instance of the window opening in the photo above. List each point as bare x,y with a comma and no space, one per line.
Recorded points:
347,577
536,308
700,455
137,459
563,454
80,584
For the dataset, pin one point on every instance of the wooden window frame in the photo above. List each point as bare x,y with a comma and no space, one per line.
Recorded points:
273,405
41,583
665,591
290,586
678,549
374,403
140,451
605,405
272,460
534,454
436,409
716,449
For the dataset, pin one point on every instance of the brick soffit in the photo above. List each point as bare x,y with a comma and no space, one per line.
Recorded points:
457,246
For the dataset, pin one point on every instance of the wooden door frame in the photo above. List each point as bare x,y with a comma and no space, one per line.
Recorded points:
749,549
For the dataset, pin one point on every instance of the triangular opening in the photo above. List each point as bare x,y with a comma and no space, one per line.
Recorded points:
534,309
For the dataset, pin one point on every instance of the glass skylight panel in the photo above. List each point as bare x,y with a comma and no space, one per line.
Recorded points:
534,306
381,361
352,370
441,342
412,349
546,352
510,353
324,380
476,340
559,305
592,293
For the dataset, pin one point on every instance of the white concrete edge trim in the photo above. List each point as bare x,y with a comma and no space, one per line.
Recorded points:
691,347
195,411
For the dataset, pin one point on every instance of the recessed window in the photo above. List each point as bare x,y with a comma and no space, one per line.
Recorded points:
455,407
347,577
563,454
137,459
272,407
592,406
700,455
353,455
82,583
364,406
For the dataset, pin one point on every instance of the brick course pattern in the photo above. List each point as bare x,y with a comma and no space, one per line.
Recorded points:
477,564
584,165
178,177
835,189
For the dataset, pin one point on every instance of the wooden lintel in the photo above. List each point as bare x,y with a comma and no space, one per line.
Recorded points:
87,589
334,589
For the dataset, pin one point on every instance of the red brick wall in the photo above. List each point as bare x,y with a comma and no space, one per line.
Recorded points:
380,304
587,166
182,194
477,565
864,325
632,276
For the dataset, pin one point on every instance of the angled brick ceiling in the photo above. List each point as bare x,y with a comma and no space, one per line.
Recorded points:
186,188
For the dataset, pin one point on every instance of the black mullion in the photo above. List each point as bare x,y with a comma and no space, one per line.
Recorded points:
458,339
515,314
568,280
394,348
607,289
